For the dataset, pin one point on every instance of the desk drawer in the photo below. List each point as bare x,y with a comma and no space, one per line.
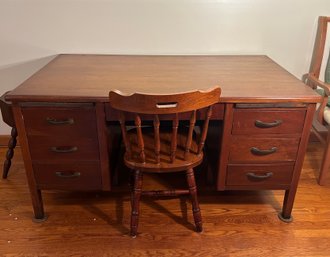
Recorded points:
243,149
69,122
259,175
68,176
252,121
63,148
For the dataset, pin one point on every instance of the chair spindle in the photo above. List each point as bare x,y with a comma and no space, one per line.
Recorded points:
190,133
124,134
205,129
140,141
175,125
157,138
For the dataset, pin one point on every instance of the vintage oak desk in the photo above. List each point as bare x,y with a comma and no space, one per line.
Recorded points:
61,114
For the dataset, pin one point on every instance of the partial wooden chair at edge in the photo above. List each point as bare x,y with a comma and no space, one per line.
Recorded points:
315,79
156,145
8,118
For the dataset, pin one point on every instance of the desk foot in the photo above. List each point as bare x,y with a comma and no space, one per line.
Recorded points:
40,220
286,220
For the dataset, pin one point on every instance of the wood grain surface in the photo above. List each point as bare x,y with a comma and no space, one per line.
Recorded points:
71,78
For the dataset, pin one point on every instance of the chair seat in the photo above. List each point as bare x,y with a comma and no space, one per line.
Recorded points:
180,163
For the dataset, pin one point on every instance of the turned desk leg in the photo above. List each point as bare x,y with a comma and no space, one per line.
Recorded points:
10,152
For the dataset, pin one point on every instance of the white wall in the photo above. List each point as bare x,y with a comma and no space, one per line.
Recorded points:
32,31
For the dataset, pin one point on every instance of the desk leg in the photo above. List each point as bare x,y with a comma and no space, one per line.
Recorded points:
291,193
38,208
289,196
35,193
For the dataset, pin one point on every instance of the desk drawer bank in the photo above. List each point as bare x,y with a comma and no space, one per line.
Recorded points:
62,111
65,148
263,147
63,145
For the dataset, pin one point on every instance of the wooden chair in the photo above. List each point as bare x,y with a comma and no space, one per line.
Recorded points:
8,118
323,87
163,148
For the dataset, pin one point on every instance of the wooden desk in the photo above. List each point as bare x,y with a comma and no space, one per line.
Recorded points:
61,114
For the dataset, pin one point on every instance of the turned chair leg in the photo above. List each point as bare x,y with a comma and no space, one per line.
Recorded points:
135,202
10,152
195,205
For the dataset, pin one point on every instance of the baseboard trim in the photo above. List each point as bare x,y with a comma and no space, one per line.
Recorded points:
4,139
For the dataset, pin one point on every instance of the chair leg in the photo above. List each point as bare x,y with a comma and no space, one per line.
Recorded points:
136,195
10,152
195,205
325,165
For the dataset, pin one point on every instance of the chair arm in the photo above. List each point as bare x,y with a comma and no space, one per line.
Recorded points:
316,82
311,80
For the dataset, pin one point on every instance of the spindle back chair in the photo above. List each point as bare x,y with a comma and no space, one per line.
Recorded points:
163,148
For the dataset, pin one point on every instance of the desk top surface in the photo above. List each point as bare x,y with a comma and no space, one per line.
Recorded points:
82,78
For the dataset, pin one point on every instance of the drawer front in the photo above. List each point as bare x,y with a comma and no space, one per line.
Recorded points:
60,147
247,121
68,176
68,122
249,150
262,175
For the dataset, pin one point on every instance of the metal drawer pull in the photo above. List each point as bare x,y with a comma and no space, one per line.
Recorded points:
261,124
53,121
65,174
64,149
255,176
257,151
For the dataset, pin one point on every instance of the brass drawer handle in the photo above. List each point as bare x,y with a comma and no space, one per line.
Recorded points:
53,121
64,174
64,149
261,124
257,151
261,177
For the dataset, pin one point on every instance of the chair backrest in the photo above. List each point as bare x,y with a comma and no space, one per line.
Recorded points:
160,105
319,62
319,50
